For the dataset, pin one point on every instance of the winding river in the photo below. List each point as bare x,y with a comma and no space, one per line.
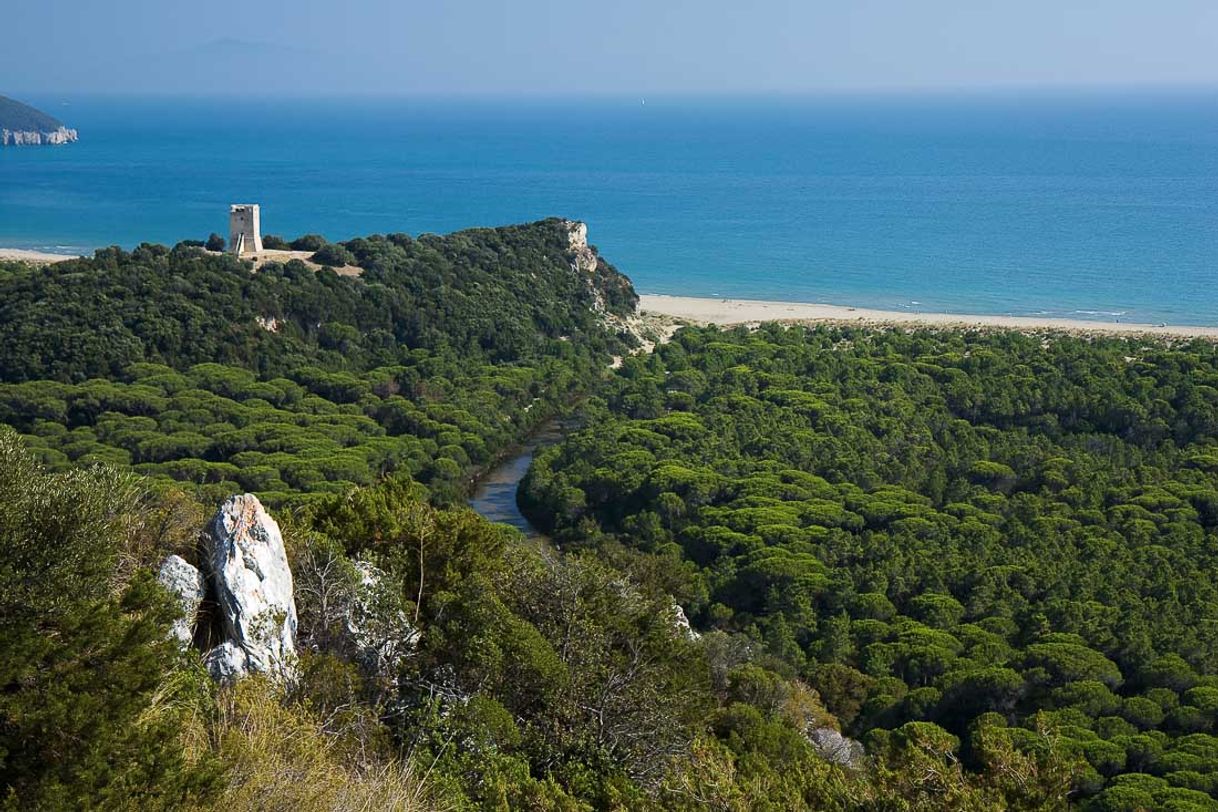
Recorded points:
495,496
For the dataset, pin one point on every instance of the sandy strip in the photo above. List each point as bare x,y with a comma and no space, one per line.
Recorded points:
749,311
21,255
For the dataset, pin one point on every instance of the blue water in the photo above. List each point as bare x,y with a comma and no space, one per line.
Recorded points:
1102,205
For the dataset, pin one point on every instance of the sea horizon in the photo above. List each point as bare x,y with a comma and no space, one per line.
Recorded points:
1088,204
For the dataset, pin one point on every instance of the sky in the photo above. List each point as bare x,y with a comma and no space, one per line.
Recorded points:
631,47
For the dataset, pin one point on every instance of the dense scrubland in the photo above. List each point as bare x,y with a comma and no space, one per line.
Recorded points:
988,557
960,530
187,367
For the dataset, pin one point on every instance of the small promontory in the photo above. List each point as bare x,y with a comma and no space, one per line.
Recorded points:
21,124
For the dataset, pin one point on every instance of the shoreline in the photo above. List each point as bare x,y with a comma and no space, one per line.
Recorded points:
727,312
24,255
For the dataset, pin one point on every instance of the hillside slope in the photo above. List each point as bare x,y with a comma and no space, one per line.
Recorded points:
286,381
22,124
448,663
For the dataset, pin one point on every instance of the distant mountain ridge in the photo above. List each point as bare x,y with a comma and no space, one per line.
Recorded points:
21,124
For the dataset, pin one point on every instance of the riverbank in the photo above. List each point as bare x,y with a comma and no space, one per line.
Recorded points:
41,257
494,497
749,311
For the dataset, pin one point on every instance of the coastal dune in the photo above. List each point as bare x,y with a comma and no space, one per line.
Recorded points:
751,311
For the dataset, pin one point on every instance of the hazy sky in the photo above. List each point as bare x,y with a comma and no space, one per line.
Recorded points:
612,46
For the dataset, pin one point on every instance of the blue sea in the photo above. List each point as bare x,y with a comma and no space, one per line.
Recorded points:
1085,205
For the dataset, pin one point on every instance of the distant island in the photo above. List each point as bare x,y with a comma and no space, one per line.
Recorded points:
21,124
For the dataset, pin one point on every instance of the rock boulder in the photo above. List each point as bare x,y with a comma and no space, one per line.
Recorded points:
253,589
226,662
187,584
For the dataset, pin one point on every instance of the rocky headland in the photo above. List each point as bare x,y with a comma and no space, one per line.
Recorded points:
18,138
22,125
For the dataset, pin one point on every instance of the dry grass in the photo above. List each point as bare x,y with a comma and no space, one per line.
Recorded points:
279,758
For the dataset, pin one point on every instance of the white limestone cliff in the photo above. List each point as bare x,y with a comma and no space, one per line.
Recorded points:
577,234
584,259
584,262
18,138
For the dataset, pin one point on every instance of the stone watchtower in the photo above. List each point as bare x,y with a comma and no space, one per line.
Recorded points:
244,229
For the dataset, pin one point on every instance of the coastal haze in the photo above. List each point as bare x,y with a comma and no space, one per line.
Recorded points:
633,47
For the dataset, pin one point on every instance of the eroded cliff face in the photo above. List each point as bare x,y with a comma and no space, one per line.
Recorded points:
19,138
584,258
586,263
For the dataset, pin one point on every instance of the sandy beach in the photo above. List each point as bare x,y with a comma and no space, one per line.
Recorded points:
22,255
749,311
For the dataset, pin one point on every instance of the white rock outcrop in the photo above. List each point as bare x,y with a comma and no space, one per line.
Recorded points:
187,584
835,747
577,234
18,138
584,263
584,258
681,624
227,662
381,635
253,589
268,323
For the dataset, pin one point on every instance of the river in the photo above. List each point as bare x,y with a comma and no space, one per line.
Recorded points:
495,496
